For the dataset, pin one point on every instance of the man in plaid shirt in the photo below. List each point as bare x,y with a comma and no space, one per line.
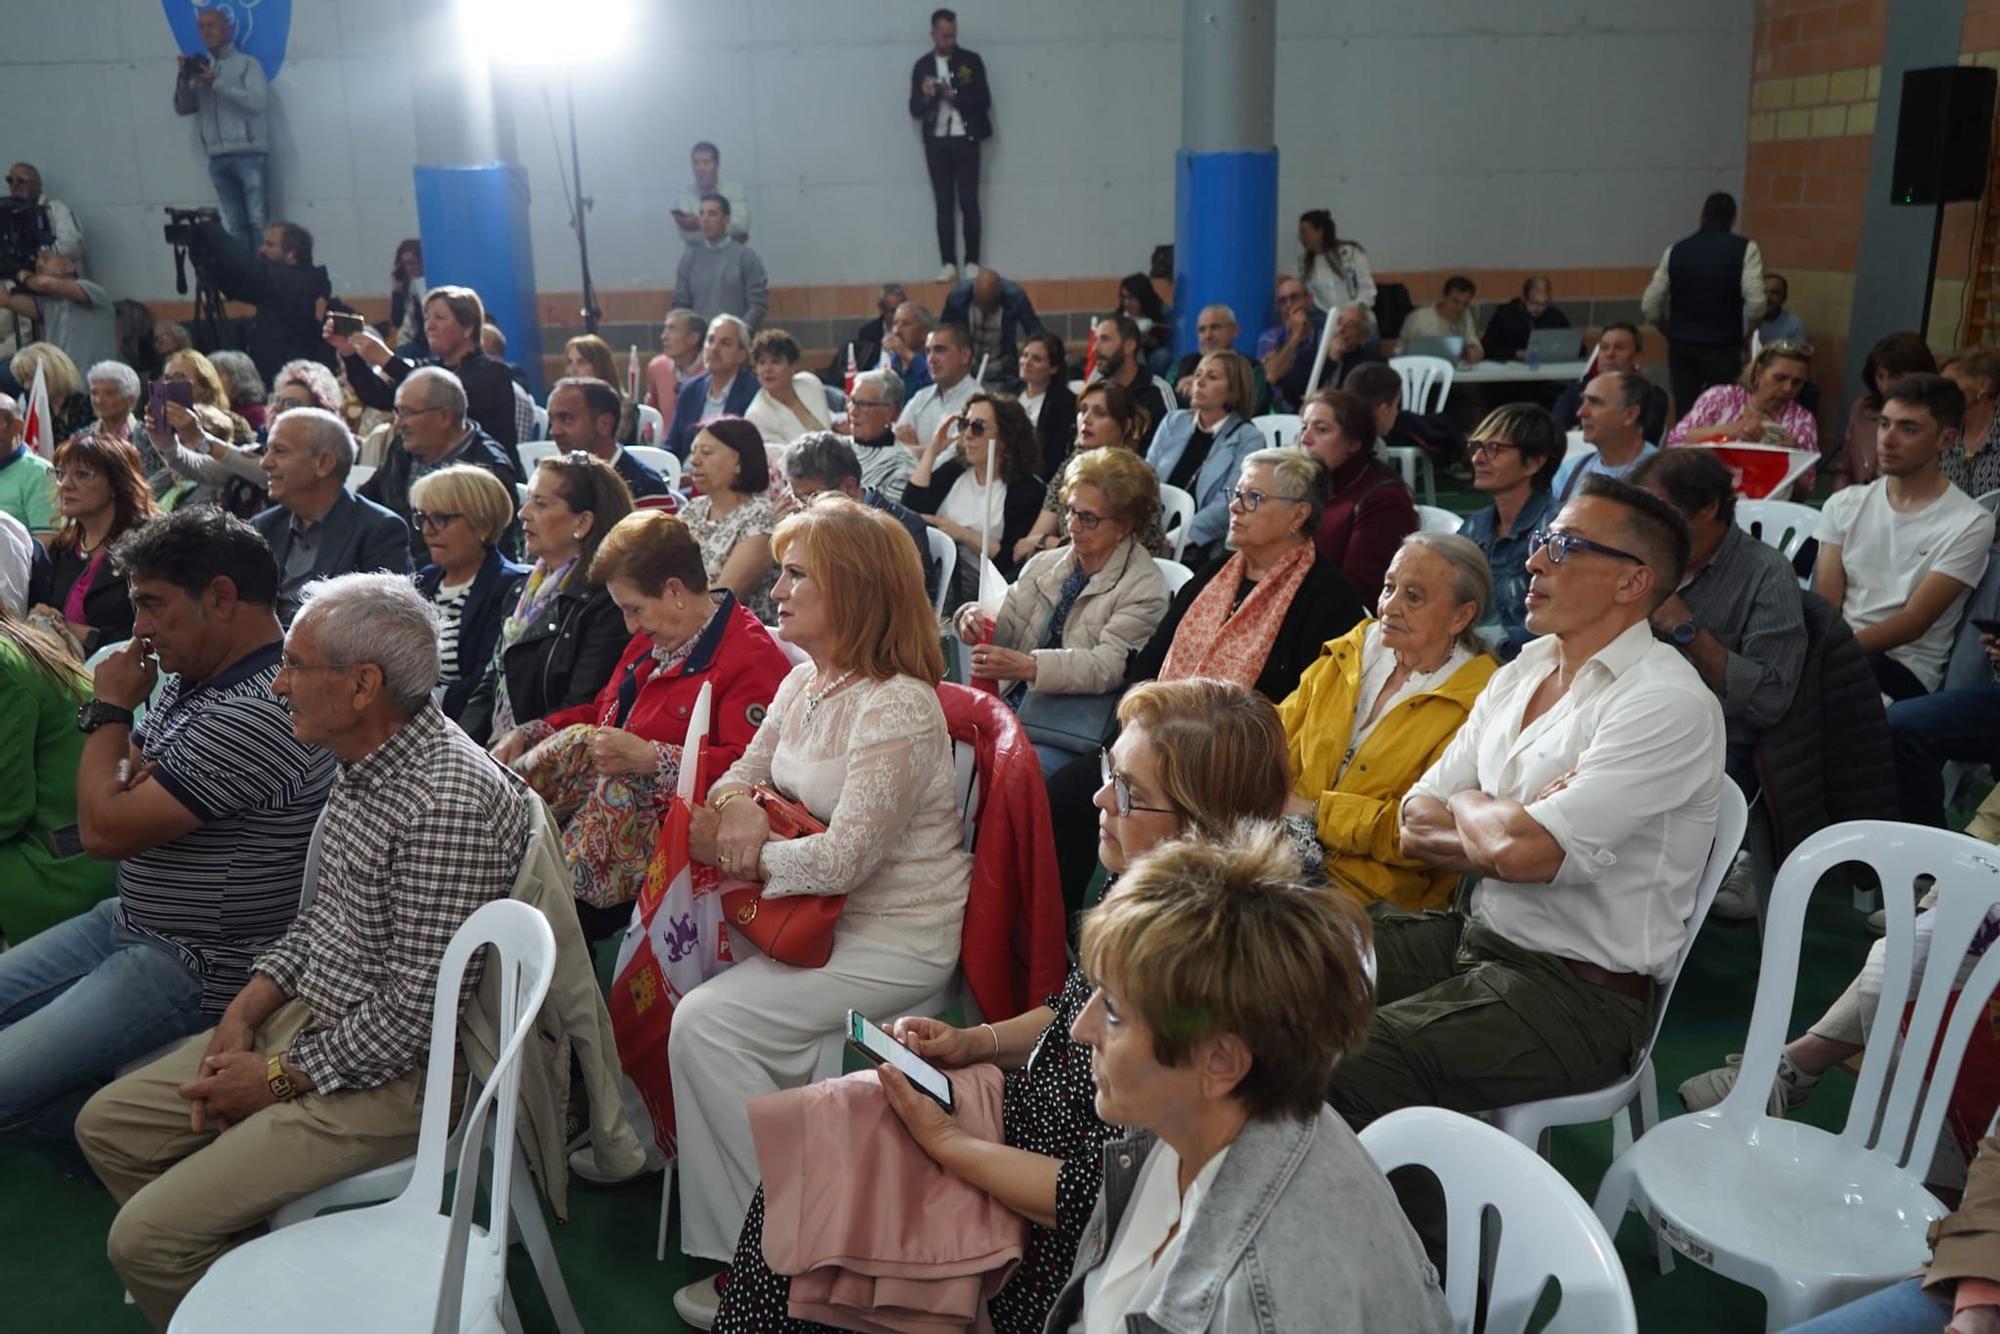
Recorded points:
315,1072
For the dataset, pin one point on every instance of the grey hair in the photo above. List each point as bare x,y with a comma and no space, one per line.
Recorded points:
922,312
1297,473
823,457
115,373
1472,578
8,406
438,388
380,619
692,319
242,372
324,433
742,329
1367,315
890,383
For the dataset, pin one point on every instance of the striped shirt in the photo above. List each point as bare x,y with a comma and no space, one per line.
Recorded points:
450,603
221,893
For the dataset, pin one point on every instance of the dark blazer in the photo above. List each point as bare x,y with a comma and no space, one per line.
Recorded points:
107,607
390,486
1057,424
688,405
867,341
489,391
495,590
359,535
1017,320
640,479
1017,514
975,95
564,658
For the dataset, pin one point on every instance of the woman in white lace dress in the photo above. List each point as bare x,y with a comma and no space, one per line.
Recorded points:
858,735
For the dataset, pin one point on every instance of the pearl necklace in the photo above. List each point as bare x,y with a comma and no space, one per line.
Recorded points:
813,700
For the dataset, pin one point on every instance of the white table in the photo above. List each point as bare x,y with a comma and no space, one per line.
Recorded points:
1513,372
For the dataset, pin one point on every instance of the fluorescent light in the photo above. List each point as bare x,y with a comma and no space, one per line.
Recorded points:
533,32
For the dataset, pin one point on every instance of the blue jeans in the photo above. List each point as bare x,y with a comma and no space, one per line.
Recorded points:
1903,1309
1962,725
77,1002
239,193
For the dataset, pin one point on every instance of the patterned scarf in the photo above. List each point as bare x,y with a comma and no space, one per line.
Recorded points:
541,589
1229,642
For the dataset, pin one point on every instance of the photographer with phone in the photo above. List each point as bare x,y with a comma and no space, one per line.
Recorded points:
225,91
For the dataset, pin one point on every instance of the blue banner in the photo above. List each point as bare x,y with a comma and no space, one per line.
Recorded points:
262,27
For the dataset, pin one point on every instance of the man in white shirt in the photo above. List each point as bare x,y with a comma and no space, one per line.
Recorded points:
1583,791
1611,417
1450,317
950,350
1900,555
707,161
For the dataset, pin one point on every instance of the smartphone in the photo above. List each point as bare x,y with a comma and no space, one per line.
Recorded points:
1986,627
162,392
874,1045
346,323
66,841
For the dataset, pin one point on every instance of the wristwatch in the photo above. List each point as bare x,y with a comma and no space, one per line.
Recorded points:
1684,633
282,1087
96,713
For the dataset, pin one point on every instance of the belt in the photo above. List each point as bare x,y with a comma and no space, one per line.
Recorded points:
1638,987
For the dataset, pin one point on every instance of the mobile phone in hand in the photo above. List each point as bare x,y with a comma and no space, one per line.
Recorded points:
874,1045
1986,627
345,323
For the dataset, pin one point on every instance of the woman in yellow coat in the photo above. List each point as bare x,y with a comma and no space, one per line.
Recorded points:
1378,708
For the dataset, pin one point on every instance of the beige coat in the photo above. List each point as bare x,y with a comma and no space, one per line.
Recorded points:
1115,614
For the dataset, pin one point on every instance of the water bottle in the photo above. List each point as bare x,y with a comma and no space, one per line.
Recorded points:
1534,357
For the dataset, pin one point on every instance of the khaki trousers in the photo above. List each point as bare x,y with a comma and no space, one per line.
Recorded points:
187,1198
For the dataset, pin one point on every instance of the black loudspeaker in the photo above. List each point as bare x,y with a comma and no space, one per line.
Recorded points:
1944,135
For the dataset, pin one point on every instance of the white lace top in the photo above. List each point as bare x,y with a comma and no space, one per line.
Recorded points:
875,763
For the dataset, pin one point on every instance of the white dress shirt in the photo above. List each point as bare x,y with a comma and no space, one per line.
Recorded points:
1644,736
1129,1280
931,405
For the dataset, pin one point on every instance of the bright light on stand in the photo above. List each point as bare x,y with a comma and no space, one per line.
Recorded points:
533,32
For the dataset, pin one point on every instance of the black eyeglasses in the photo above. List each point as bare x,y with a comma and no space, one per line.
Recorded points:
1490,448
433,521
1560,545
20,180
1250,499
1121,791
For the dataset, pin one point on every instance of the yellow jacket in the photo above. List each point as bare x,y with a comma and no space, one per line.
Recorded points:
1360,816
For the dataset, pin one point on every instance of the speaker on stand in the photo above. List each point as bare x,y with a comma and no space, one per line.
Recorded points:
1944,138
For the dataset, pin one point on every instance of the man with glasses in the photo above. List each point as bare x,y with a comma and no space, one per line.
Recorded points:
65,236
317,528
207,807
1583,791
871,430
1515,453
1215,330
1613,406
432,432
1286,349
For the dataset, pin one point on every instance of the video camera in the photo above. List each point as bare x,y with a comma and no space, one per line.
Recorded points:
25,231
188,244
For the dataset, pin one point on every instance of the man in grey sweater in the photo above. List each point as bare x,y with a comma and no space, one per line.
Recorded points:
226,93
719,275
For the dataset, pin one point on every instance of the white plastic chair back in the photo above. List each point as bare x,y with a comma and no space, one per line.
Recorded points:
1784,525
1076,386
1175,573
1423,377
1990,502
944,554
663,461
1279,428
652,426
1431,519
358,475
1546,1231
532,452
1176,517
541,420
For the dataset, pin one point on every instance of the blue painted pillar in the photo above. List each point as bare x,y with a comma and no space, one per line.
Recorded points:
1226,171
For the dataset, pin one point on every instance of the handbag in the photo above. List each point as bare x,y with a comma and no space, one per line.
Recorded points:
1076,724
798,928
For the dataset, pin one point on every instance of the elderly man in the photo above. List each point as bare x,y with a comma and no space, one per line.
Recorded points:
225,92
583,414
317,528
434,433
75,313
1612,409
822,461
721,390
1286,350
1215,330
871,431
207,808
27,491
903,346
998,314
1449,317
681,335
1697,296
1583,789
315,1069
866,342
706,160
1354,344
24,182
1121,359
952,386
721,275
1618,349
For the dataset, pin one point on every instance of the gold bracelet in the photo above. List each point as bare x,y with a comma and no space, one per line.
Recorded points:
715,807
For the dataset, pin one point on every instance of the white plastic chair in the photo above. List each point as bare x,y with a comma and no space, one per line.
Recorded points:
1637,1095
1783,525
663,461
944,554
1423,377
358,475
1176,517
652,426
532,452
402,1265
1279,428
1175,573
1415,468
1544,1229
541,420
1990,502
1431,519
1809,1218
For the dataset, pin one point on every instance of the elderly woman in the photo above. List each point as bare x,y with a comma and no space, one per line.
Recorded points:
1893,356
114,396
732,517
1200,449
243,386
101,495
1225,993
1368,510
1105,419
557,647
991,468
1379,708
1192,760
607,767
1973,464
204,462
461,511
1046,398
789,401
857,736
306,384
1767,395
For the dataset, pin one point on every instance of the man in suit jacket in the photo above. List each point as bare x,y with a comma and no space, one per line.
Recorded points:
318,528
721,390
583,414
953,106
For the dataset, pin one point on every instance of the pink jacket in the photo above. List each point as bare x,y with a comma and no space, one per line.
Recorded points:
874,1235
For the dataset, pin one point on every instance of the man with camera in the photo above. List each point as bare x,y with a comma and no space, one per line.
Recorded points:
76,315
59,227
225,91
279,278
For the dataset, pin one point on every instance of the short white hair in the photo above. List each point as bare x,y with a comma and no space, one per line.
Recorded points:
742,329
1367,315
438,388
115,373
323,433
890,383
380,619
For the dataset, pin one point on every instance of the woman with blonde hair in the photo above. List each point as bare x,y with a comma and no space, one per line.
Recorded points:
461,512
857,736
61,380
1200,449
204,460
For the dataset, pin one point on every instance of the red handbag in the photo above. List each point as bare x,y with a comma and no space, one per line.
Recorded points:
798,928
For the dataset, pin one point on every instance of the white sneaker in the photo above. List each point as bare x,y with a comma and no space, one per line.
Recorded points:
947,274
1789,1090
969,272
583,1162
697,1303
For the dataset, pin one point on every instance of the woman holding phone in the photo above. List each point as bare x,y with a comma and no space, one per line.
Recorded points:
1194,757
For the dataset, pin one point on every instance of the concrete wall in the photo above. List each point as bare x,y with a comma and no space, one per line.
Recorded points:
1445,134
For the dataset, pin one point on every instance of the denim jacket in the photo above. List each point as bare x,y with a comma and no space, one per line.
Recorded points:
1298,1231
1507,558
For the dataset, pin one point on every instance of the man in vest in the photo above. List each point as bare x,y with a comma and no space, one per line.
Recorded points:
1702,285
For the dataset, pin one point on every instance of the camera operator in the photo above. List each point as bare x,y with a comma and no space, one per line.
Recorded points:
24,182
225,91
280,280
76,314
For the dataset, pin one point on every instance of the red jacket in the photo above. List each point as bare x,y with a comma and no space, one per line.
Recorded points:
1013,947
735,652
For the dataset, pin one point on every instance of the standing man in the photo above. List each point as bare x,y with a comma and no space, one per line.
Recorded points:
707,160
1701,287
721,275
24,182
225,92
953,107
